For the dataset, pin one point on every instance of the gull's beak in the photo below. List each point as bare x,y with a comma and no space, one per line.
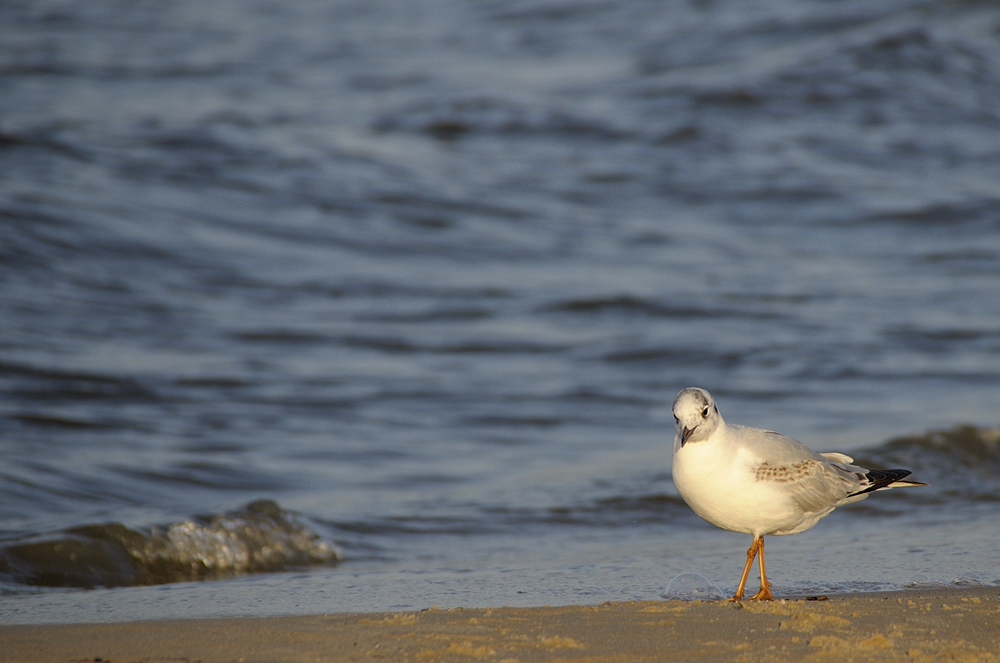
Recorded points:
686,433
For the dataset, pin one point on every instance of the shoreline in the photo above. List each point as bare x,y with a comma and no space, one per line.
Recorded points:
916,625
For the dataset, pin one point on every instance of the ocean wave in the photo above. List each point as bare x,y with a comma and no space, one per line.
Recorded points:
258,538
448,120
962,464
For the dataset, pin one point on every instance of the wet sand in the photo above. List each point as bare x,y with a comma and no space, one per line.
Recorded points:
953,625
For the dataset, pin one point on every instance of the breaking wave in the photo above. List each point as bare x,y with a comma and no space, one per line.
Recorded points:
962,464
259,538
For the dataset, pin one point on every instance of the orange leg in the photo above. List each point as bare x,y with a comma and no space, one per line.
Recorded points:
765,587
758,544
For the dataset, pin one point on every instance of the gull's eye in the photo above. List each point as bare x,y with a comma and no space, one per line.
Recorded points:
704,413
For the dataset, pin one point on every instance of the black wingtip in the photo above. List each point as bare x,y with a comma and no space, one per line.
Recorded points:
883,478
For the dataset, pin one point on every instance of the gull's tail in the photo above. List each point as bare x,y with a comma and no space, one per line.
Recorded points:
885,479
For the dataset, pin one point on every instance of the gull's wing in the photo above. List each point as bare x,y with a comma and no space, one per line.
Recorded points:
816,482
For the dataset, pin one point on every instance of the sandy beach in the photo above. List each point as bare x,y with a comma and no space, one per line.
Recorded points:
934,625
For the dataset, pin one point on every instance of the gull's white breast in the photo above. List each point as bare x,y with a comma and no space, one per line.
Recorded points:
719,481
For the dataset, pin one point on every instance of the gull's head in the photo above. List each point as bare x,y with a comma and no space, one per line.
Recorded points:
695,415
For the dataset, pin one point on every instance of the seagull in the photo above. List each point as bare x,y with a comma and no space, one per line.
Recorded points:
760,482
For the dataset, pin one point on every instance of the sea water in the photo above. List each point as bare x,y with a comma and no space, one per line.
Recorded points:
327,306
